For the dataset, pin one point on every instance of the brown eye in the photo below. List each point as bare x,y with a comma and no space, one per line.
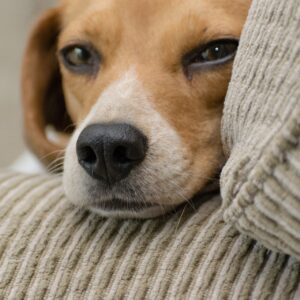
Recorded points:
78,56
216,52
213,54
80,59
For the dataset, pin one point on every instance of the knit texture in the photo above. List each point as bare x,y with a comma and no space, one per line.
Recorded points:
52,250
261,129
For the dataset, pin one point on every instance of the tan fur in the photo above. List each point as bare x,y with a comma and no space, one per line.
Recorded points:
152,36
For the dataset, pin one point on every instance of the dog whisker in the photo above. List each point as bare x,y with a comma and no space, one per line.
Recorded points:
180,218
56,167
58,162
57,152
70,126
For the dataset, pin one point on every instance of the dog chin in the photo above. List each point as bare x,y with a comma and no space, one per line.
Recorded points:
117,204
145,213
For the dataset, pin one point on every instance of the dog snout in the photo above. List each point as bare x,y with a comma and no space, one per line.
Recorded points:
109,152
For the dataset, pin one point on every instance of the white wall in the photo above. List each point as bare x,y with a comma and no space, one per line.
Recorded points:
16,17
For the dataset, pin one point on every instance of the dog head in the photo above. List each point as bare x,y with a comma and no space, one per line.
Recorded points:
137,87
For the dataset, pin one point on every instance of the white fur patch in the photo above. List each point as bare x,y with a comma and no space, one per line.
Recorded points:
160,178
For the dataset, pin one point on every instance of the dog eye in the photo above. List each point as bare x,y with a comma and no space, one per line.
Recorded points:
211,55
78,56
215,52
80,59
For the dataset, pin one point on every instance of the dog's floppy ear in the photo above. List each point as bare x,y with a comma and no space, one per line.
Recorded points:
42,95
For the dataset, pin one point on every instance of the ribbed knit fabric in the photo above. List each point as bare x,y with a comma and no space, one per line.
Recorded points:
261,129
52,250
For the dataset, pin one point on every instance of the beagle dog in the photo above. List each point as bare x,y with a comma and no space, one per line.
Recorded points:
134,90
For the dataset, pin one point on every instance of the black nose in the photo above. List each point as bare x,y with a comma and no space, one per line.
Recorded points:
108,152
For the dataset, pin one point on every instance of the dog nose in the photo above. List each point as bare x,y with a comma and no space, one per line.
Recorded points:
109,152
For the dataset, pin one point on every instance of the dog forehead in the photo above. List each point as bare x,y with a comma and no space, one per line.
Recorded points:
146,9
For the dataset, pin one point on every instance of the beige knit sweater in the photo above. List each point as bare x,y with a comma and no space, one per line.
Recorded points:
52,250
261,129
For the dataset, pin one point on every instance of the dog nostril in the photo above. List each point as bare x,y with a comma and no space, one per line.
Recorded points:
88,155
120,155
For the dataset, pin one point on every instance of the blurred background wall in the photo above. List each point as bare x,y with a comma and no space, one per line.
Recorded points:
16,18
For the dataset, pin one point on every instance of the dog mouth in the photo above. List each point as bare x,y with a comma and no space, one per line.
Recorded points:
123,205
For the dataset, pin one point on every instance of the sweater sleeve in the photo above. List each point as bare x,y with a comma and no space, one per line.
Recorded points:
261,129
